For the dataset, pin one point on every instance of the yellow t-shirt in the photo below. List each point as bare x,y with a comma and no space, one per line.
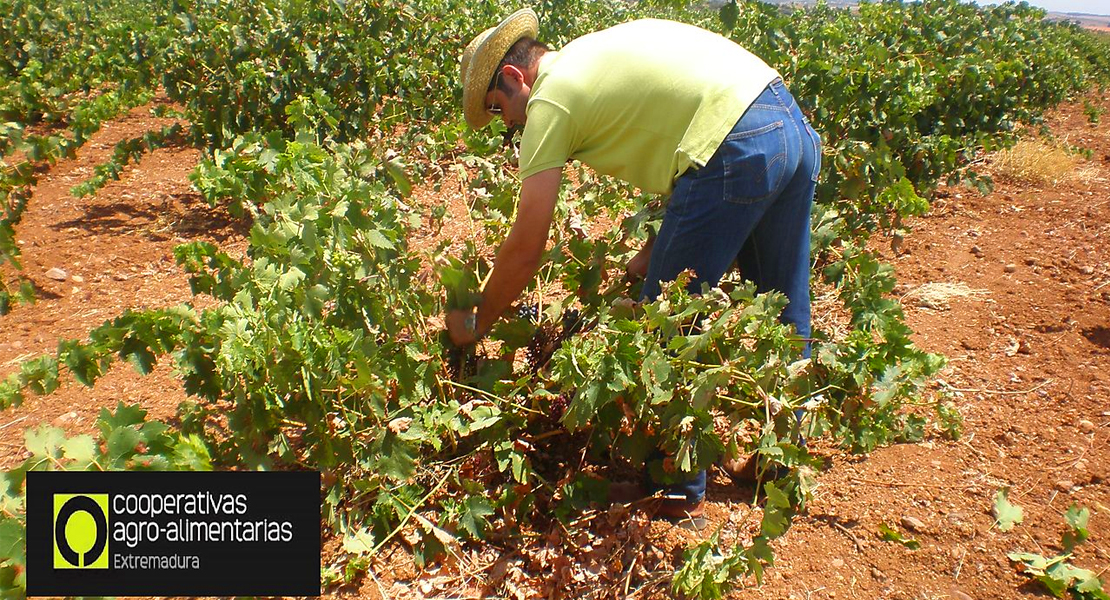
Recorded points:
642,101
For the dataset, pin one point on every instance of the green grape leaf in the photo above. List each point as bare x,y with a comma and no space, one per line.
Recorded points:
81,361
398,173
40,374
1077,532
125,415
395,458
729,14
473,517
1006,514
82,450
377,239
359,541
45,441
190,454
13,541
1090,587
123,442
13,555
517,333
776,513
291,279
890,534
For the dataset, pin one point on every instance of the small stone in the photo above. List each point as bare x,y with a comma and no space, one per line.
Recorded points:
837,563
1086,426
877,574
1030,261
1087,270
1010,268
57,274
68,417
78,279
959,595
913,524
976,250
1064,485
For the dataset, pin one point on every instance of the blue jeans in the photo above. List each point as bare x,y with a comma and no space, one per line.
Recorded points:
749,204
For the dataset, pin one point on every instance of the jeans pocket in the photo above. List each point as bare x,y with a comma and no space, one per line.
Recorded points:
754,163
816,139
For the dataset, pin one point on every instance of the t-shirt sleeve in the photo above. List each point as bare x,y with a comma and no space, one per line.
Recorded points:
548,139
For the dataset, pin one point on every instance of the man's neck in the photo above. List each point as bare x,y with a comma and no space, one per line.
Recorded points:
534,70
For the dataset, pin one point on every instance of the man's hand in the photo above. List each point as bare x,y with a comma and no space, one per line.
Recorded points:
517,260
461,326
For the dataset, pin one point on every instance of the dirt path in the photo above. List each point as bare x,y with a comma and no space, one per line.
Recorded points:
116,251
1029,352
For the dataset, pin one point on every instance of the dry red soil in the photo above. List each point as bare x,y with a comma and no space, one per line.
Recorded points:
1029,369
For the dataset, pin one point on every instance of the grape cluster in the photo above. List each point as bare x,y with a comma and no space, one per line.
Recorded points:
572,322
542,345
549,336
529,312
559,405
462,363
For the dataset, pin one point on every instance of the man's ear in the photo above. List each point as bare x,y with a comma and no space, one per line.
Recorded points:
512,73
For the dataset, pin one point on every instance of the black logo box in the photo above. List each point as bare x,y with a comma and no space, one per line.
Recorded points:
226,568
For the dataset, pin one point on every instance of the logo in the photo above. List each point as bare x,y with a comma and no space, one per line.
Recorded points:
172,533
80,531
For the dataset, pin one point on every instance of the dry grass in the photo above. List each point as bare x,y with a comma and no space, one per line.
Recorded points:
1037,163
937,295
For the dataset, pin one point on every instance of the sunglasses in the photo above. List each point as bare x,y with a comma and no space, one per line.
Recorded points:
494,109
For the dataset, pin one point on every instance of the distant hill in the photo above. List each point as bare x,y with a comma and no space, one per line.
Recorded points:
1091,21
1100,22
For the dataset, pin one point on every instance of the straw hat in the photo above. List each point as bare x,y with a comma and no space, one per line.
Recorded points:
481,57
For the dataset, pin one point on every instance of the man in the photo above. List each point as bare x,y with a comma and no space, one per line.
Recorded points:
672,109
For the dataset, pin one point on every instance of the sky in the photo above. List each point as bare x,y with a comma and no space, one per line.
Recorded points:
1097,7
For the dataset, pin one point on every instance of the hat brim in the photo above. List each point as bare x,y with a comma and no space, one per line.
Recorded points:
483,54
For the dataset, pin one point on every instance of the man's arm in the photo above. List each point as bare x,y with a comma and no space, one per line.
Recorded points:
518,258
